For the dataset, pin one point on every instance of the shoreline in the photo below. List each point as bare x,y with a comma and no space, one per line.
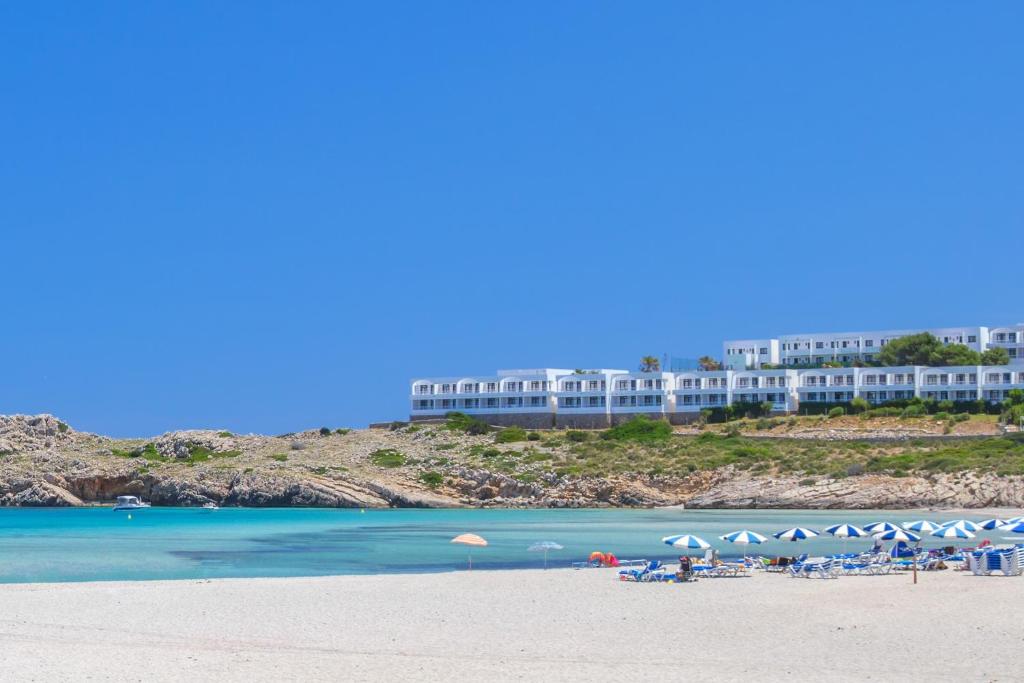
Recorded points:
509,625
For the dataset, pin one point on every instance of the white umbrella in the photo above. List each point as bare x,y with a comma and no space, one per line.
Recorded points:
544,547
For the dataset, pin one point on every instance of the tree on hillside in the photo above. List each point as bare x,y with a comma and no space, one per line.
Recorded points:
926,349
708,363
995,356
650,364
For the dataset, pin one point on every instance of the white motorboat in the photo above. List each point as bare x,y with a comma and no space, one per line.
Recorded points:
129,503
211,506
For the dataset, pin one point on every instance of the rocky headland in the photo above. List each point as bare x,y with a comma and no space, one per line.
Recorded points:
46,462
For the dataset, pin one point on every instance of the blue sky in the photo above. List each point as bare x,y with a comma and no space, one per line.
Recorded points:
269,216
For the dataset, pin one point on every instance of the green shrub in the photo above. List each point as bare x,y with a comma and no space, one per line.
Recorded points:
961,417
942,415
490,453
533,436
838,411
808,482
641,429
854,470
342,431
460,422
576,436
859,405
387,457
280,457
510,435
325,431
432,479
225,434
62,426
914,411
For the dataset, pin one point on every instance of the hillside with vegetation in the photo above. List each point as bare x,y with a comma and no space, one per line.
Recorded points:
865,461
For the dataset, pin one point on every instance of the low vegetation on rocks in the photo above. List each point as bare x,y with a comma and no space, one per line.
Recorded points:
813,461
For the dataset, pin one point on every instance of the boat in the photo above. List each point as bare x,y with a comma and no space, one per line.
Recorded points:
211,506
129,503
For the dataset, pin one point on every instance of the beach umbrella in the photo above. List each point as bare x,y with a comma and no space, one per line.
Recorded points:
922,526
897,535
846,531
1015,520
965,524
471,540
544,547
881,527
989,524
744,538
953,531
686,541
797,533
1014,528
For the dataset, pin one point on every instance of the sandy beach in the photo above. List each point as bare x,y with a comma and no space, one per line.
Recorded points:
513,625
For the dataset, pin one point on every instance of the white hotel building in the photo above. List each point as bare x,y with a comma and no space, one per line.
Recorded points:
847,347
549,397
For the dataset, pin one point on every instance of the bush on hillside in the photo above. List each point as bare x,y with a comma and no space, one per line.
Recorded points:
641,429
510,435
460,422
838,411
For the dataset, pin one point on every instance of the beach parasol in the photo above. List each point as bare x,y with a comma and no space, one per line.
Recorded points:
797,533
471,540
990,524
897,535
881,527
544,547
744,538
686,541
1013,528
922,526
965,524
845,531
953,531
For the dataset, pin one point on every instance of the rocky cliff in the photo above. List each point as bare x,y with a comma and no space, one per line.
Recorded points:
44,461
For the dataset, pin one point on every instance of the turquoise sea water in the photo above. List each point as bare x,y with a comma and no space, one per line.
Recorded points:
85,544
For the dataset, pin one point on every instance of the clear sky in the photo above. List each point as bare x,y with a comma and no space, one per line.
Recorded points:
270,216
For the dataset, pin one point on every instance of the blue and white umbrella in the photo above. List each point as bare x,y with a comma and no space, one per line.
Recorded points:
965,524
797,533
953,531
686,541
897,535
744,537
922,526
1015,520
989,524
881,527
1014,528
846,531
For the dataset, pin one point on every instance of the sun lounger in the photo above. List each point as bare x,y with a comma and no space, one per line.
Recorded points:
653,571
816,568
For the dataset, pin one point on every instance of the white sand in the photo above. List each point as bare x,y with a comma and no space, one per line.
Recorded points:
554,625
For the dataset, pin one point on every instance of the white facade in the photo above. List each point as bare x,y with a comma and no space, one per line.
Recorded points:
750,353
847,347
1010,338
537,397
